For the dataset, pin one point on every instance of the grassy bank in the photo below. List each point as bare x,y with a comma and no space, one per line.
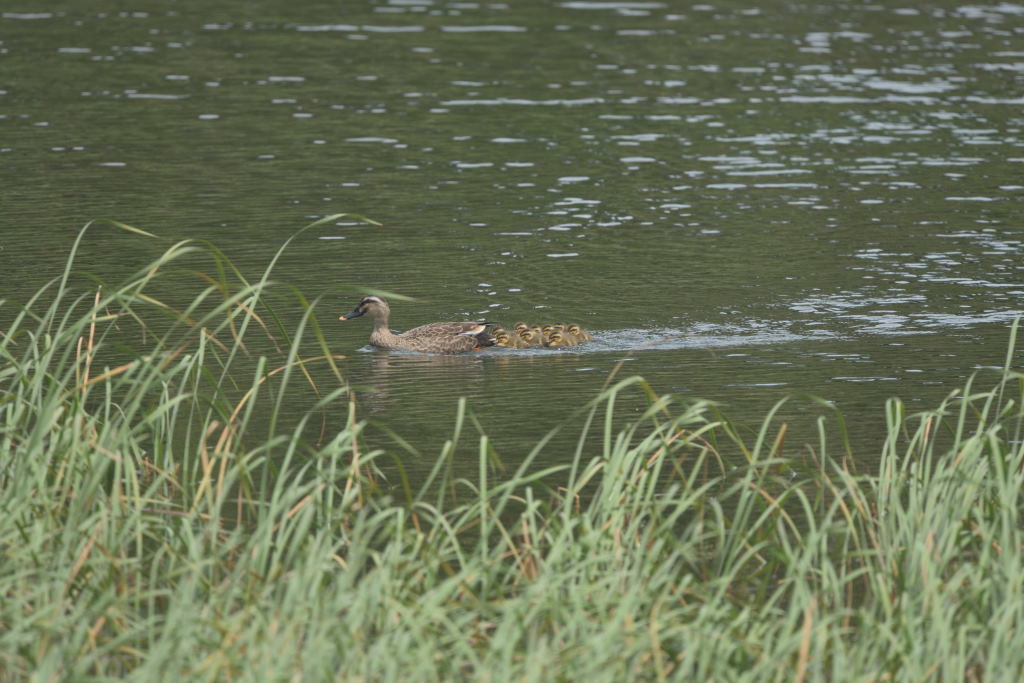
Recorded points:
158,520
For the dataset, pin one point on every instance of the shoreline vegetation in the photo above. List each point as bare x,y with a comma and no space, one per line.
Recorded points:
158,519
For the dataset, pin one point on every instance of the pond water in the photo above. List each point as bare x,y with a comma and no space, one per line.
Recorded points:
742,201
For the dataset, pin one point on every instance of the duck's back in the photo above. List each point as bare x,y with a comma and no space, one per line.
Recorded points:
447,337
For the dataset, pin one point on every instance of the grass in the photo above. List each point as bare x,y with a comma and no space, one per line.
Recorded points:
159,518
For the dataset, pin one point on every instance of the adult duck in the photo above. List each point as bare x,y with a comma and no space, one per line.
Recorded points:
429,338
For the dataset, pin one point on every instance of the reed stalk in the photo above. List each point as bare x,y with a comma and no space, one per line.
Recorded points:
153,526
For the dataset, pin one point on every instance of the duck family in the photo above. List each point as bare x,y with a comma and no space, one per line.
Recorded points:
460,337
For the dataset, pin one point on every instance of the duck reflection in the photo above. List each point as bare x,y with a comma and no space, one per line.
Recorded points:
396,377
420,384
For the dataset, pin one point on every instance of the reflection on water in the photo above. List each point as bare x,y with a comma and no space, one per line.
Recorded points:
740,200
394,373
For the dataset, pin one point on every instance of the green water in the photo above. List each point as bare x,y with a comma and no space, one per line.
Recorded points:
743,203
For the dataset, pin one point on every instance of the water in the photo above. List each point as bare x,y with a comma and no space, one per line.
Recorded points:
743,203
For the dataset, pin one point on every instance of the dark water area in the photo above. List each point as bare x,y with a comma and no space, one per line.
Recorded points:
743,202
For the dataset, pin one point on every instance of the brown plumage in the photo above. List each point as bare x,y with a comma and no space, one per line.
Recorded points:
429,338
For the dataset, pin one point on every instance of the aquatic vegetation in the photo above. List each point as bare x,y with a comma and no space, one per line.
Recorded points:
160,518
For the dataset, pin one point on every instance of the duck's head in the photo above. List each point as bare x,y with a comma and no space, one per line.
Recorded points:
574,329
519,327
502,340
528,336
499,332
374,305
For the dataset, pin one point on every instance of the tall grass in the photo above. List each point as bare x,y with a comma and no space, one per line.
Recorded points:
159,519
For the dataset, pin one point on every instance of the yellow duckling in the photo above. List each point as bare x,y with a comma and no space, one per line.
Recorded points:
579,333
520,326
530,338
551,329
503,340
513,340
559,339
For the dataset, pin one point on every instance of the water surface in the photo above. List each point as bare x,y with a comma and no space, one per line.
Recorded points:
744,203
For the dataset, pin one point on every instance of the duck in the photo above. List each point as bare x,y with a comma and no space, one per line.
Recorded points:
579,333
507,340
559,339
501,336
549,330
443,337
520,326
530,338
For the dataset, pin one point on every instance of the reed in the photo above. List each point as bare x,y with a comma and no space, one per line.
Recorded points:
154,522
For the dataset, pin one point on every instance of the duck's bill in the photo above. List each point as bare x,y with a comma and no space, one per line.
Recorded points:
354,314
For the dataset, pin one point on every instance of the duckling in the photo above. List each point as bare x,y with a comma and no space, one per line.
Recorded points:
520,326
548,330
510,340
559,339
444,337
530,338
579,333
551,328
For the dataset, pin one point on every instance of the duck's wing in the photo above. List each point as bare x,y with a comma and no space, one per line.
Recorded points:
440,330
476,328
